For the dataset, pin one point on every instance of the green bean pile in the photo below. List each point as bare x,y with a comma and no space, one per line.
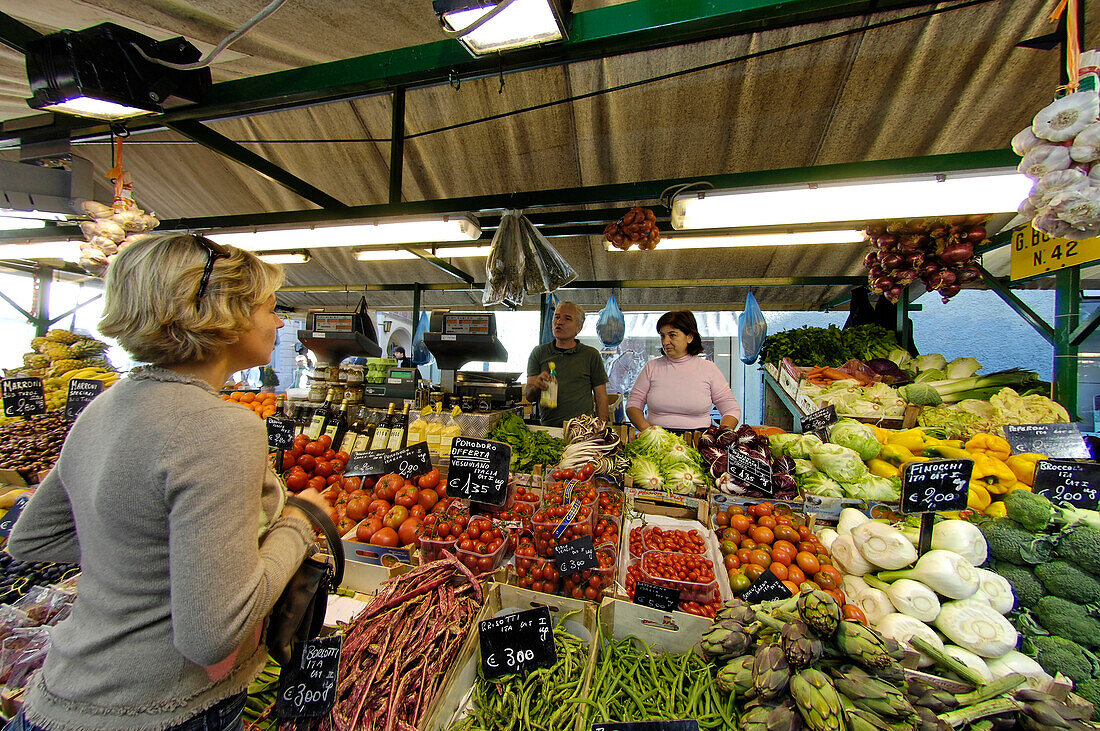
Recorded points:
546,699
633,683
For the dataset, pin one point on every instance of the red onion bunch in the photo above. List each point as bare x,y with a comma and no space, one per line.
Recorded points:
939,253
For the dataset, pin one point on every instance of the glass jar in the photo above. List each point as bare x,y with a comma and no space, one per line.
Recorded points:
318,390
485,402
341,374
354,374
338,391
325,373
353,395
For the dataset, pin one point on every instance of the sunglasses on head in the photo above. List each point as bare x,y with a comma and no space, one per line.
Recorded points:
213,253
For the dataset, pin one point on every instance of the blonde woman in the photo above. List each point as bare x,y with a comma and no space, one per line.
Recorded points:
164,497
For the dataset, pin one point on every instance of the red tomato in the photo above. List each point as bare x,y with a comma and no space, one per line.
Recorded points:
779,570
791,587
767,521
387,487
385,536
288,461
851,611
330,454
429,479
378,505
762,534
343,456
352,483
297,481
397,515
732,562
317,483
357,508
427,498
586,471
344,525
752,571
315,449
417,511
783,555
760,557
300,441
786,533
367,529
307,462
338,466
323,468
332,479
409,531
326,440
808,563
568,474
828,577
331,493
795,575
407,496
741,523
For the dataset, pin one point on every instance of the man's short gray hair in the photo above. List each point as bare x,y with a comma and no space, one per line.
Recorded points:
576,308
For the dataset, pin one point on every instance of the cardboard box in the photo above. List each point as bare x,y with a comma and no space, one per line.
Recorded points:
674,632
454,700
713,553
655,502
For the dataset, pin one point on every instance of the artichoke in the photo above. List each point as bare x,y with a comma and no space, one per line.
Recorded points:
800,645
727,638
763,716
770,672
736,610
862,644
817,700
870,694
936,700
736,677
819,610
860,720
1040,710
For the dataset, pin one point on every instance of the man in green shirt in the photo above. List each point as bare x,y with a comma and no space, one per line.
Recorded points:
582,380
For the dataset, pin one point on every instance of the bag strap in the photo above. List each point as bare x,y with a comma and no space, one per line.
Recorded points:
320,519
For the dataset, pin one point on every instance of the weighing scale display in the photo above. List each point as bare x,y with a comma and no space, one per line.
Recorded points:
466,324
401,374
337,322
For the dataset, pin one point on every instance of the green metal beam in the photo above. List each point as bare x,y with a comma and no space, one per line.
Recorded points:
20,310
599,33
16,34
813,281
1019,306
1086,328
1067,314
222,145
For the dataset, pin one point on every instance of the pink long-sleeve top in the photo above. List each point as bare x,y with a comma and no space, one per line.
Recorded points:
680,391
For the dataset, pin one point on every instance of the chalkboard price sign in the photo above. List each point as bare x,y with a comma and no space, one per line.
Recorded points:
517,643
12,515
767,588
80,394
23,396
479,470
280,433
749,471
688,725
307,686
661,598
1057,441
366,463
576,555
1076,483
410,461
819,420
935,485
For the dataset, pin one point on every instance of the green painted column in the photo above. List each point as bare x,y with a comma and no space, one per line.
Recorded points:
1067,315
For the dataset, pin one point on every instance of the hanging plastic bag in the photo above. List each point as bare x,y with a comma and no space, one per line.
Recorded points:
548,326
420,353
751,330
548,270
504,267
611,326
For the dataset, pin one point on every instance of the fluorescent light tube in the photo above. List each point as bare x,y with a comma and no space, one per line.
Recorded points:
384,255
522,23
457,251
289,257
65,250
390,231
953,194
86,106
796,238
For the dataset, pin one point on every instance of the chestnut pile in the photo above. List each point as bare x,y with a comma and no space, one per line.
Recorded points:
939,253
32,446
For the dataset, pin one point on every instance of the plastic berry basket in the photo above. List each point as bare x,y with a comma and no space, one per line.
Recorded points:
473,559
702,592
610,501
432,549
578,583
611,534
656,538
550,531
538,574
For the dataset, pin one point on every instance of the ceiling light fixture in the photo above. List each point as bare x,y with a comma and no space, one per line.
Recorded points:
951,194
64,250
384,255
284,257
450,252
394,231
489,26
96,72
795,238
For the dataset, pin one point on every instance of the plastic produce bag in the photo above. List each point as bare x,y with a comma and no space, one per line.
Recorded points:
504,267
751,330
420,353
611,326
21,654
552,271
547,335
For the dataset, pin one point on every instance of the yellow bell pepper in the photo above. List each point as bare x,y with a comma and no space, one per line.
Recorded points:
1023,466
978,498
956,443
882,435
997,510
898,456
990,444
941,452
994,474
882,468
911,439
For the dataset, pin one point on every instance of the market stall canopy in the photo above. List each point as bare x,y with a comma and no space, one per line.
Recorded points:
952,82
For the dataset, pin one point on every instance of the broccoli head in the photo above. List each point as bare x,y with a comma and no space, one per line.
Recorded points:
1008,541
1059,655
1069,620
1081,546
1025,586
1061,578
1090,691
1036,513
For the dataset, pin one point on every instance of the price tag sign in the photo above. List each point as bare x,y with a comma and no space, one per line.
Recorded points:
81,392
767,588
280,433
366,463
1034,252
410,461
1076,483
479,470
307,686
688,725
820,420
1057,441
661,598
576,555
23,396
929,487
749,471
13,514
517,643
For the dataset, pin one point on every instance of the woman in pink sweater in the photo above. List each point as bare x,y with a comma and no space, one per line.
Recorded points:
680,387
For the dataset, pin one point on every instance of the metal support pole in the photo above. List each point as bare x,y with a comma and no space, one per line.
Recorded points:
416,308
1067,315
397,144
544,306
40,306
903,319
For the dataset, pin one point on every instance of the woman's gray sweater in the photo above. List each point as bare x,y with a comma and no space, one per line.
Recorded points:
158,495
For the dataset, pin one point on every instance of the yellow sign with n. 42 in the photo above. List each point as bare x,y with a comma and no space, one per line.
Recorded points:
1035,253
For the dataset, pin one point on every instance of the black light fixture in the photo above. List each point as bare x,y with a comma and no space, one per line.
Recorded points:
489,26
98,72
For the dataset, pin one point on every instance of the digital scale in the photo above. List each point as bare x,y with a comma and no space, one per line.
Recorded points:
334,336
399,386
457,338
